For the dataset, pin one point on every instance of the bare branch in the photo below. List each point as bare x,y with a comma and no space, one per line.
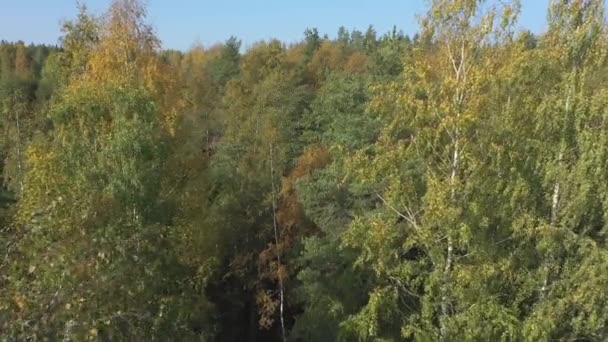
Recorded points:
409,218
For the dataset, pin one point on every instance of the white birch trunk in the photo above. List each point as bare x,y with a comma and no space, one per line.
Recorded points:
276,243
450,243
19,159
556,191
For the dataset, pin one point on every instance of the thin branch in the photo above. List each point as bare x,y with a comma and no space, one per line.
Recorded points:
451,57
410,219
400,284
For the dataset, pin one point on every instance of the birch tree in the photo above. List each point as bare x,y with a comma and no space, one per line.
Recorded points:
423,239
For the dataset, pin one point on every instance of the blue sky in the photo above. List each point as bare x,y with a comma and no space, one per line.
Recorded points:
180,23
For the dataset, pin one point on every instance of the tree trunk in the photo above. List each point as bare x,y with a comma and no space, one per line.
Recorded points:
556,191
19,158
276,242
450,247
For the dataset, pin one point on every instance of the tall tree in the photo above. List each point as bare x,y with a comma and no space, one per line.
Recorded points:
91,213
419,173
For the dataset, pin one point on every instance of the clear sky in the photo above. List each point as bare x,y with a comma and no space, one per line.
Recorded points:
180,23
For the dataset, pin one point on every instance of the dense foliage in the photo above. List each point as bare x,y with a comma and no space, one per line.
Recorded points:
452,186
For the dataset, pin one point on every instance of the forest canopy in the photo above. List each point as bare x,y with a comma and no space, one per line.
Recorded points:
450,186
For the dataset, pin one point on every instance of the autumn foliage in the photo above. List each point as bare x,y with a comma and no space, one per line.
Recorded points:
364,187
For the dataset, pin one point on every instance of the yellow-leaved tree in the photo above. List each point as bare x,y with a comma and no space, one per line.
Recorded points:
100,250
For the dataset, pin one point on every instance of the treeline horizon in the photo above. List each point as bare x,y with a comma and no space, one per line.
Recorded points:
342,32
448,186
